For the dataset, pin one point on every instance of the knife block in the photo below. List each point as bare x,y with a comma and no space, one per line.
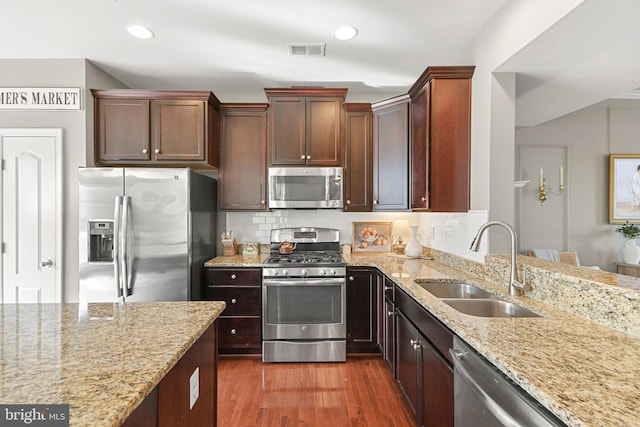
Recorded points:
230,247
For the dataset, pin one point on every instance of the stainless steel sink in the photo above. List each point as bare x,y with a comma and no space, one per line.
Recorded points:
454,290
489,308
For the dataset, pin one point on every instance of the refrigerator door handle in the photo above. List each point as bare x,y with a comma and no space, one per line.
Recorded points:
127,242
117,244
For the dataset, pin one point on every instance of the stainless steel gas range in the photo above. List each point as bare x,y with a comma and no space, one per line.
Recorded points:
304,297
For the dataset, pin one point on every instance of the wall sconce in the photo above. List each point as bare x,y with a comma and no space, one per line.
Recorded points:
544,191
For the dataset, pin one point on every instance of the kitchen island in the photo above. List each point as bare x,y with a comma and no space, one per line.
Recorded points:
106,359
583,371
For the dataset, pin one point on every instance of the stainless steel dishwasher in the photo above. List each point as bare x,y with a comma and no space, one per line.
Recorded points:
484,397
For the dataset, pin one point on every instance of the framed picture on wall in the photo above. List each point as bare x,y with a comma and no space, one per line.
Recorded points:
371,237
624,188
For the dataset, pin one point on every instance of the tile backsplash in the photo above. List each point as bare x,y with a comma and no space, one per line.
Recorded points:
447,232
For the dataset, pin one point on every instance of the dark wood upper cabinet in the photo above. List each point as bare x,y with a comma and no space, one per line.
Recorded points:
156,128
391,154
305,126
357,159
243,151
441,139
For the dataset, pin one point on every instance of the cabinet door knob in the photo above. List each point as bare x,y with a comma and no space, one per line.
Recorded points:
233,276
375,202
157,151
424,199
303,157
233,332
351,279
145,151
262,202
389,313
348,202
233,301
388,288
308,157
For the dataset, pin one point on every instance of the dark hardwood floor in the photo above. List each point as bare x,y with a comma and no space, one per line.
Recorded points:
360,392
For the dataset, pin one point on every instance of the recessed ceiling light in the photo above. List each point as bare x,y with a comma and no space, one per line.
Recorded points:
345,32
140,32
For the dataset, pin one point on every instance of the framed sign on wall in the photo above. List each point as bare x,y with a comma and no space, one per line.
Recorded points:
372,237
624,188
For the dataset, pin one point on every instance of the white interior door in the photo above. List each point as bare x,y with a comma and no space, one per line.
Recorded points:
31,215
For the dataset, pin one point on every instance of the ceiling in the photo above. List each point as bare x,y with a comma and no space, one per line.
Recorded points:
236,48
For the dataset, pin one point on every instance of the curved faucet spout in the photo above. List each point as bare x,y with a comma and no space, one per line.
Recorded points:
515,286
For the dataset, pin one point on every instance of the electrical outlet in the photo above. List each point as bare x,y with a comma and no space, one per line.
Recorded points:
194,387
448,234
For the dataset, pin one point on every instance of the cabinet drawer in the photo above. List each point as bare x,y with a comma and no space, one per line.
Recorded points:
239,334
234,276
439,335
241,300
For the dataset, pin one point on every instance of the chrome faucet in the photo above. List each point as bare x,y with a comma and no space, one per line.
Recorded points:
515,286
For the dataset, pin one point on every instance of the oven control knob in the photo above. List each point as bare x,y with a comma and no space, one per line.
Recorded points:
322,272
333,272
304,272
285,272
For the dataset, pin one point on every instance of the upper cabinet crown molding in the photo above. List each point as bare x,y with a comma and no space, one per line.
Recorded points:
307,91
440,72
155,94
396,100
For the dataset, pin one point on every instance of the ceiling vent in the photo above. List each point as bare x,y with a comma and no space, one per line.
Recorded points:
306,49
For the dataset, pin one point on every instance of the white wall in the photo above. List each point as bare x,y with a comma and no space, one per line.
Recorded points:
74,125
591,134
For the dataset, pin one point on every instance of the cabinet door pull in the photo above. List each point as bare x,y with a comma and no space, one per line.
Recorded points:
308,157
233,301
351,279
302,157
388,288
157,151
375,202
233,276
424,199
233,332
348,202
145,151
389,313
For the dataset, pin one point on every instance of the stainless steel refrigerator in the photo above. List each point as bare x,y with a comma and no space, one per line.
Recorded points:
144,233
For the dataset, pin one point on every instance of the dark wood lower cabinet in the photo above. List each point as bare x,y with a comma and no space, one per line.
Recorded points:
424,373
407,362
240,324
169,404
362,310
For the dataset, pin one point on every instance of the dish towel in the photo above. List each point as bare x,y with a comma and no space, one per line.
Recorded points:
548,254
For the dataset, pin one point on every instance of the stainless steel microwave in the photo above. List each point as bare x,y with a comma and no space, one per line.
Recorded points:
305,188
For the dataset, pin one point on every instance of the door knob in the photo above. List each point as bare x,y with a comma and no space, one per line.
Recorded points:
46,263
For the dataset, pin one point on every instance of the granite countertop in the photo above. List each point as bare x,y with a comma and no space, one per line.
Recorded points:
102,359
586,373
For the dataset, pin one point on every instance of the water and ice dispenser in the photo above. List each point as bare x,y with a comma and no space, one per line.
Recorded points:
100,241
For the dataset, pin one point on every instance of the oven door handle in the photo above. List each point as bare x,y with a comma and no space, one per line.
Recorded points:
304,282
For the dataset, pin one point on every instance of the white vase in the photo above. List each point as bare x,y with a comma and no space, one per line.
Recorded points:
631,252
414,249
